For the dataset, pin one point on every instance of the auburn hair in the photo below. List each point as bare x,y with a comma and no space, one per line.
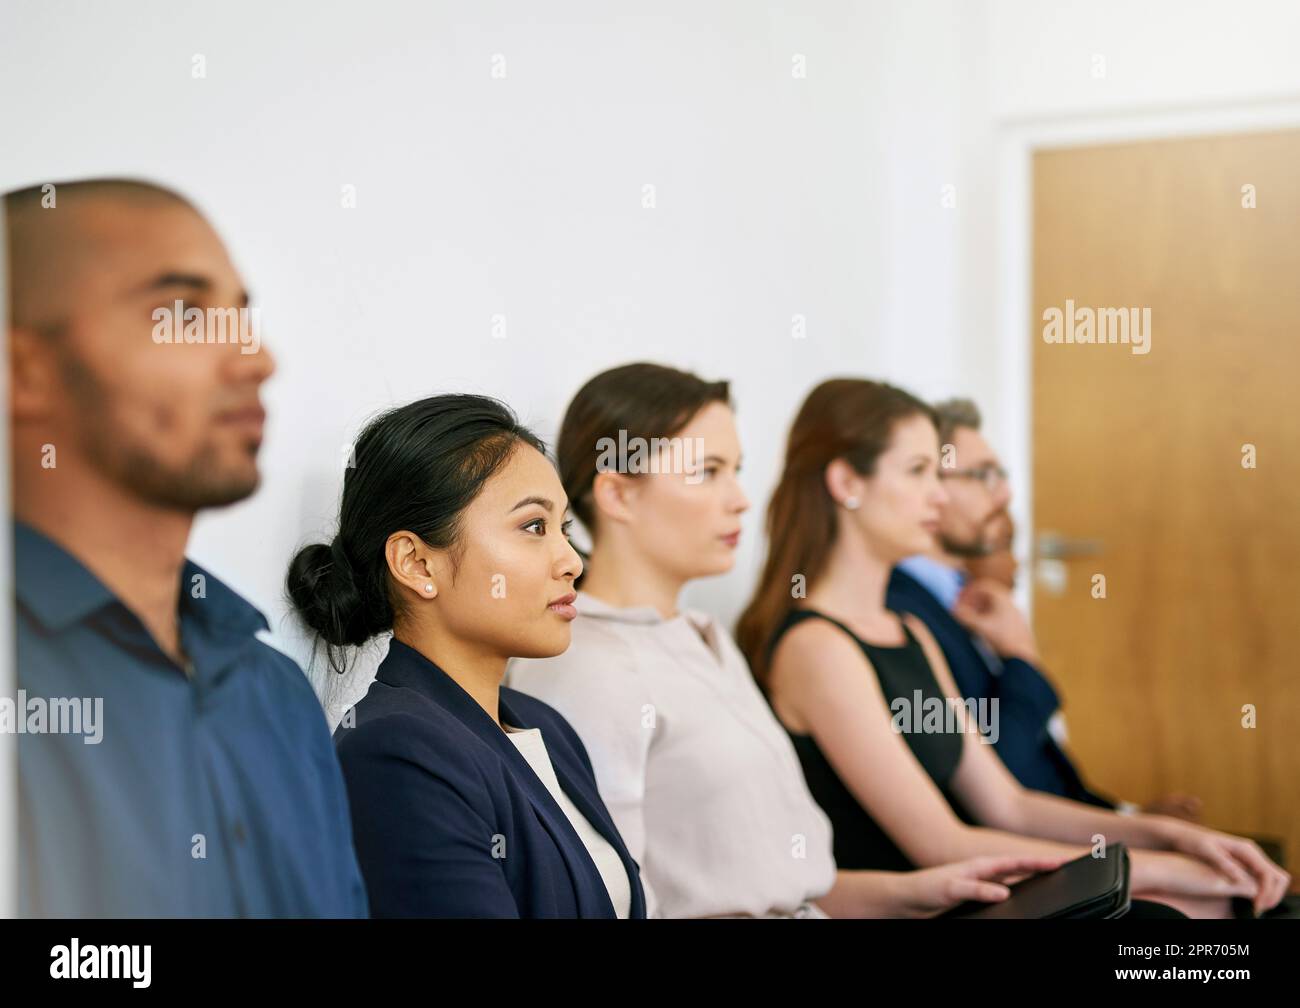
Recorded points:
843,418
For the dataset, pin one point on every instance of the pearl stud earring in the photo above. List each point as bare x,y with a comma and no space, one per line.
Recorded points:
428,588
851,503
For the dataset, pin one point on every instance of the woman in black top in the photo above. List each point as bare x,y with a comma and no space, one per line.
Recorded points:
903,671
847,677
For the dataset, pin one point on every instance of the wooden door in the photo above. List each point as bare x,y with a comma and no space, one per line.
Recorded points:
1146,457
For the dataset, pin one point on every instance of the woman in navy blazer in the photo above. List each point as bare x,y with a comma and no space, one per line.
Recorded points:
451,535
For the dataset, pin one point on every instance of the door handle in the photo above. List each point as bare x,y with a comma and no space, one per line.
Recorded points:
1054,546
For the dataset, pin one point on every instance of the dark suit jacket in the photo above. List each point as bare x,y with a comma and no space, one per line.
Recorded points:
449,819
1026,700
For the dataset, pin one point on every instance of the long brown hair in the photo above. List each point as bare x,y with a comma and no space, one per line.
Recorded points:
843,418
644,400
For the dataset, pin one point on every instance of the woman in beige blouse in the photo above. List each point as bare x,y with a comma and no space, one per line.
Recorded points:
702,782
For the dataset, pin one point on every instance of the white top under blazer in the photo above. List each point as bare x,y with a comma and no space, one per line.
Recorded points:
532,747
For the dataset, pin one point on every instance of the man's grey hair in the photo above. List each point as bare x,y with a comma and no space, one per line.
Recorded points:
954,413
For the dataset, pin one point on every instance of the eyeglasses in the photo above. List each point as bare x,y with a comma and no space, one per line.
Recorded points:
992,476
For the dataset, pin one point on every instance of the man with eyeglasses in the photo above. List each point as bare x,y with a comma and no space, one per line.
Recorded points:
985,638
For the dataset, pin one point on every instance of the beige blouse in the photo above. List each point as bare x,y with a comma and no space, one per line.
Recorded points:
701,780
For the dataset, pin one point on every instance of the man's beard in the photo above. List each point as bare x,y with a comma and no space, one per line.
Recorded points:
131,462
966,550
197,485
981,546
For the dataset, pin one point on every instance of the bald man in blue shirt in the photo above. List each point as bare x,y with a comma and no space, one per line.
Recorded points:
170,763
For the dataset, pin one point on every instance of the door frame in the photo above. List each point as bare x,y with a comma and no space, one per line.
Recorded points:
1016,140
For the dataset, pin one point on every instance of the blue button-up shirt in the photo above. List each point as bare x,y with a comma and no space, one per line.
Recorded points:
945,583
211,791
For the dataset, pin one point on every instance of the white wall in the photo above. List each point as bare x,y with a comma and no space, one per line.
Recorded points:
1158,54
477,196
521,196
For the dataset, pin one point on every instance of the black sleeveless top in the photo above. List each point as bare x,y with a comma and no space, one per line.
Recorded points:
858,842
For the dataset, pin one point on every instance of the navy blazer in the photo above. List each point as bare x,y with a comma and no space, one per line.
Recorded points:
449,819
1026,700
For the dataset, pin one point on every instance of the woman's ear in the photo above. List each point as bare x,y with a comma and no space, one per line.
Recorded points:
612,496
412,564
843,483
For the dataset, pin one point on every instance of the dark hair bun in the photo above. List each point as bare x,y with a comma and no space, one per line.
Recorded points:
324,591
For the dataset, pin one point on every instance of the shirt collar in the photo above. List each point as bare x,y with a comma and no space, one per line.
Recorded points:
220,608
60,591
940,580
588,605
53,584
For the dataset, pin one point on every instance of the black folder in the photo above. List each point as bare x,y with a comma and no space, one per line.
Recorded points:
1085,887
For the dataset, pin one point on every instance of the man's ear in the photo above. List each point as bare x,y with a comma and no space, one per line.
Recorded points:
414,565
842,481
33,374
613,495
